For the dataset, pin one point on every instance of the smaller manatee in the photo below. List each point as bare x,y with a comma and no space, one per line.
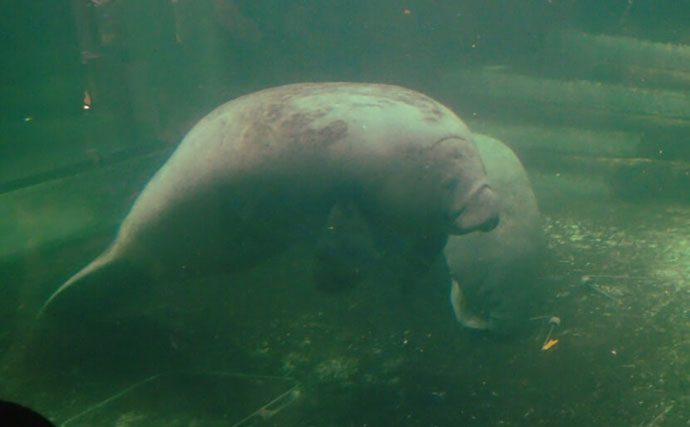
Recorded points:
494,274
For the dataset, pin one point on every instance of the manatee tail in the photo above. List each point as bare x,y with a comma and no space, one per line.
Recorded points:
91,324
95,288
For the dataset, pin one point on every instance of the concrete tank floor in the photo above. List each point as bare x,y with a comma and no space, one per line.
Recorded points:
618,277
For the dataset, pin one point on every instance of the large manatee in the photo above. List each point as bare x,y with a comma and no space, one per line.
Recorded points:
273,168
494,274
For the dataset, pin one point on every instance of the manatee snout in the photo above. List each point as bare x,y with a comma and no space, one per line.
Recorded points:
480,212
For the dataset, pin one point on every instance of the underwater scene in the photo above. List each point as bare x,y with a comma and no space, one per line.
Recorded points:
345,213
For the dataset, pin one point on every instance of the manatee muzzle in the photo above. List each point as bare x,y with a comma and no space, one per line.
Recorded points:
479,212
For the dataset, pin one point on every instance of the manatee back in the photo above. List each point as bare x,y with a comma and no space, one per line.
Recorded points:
281,158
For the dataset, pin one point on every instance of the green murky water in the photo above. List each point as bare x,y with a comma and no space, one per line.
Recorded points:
593,97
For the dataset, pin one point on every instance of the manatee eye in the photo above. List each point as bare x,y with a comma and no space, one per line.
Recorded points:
461,152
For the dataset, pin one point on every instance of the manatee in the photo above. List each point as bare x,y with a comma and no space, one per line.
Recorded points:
273,168
494,274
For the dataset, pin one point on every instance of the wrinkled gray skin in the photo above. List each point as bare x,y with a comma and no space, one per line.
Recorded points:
273,168
495,272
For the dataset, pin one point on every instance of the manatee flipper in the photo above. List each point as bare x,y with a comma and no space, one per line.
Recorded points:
346,249
463,313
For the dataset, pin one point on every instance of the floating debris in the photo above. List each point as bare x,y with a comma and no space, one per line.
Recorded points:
549,344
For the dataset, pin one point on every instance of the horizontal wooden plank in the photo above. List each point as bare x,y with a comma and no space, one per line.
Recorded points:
559,178
599,49
496,95
563,139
